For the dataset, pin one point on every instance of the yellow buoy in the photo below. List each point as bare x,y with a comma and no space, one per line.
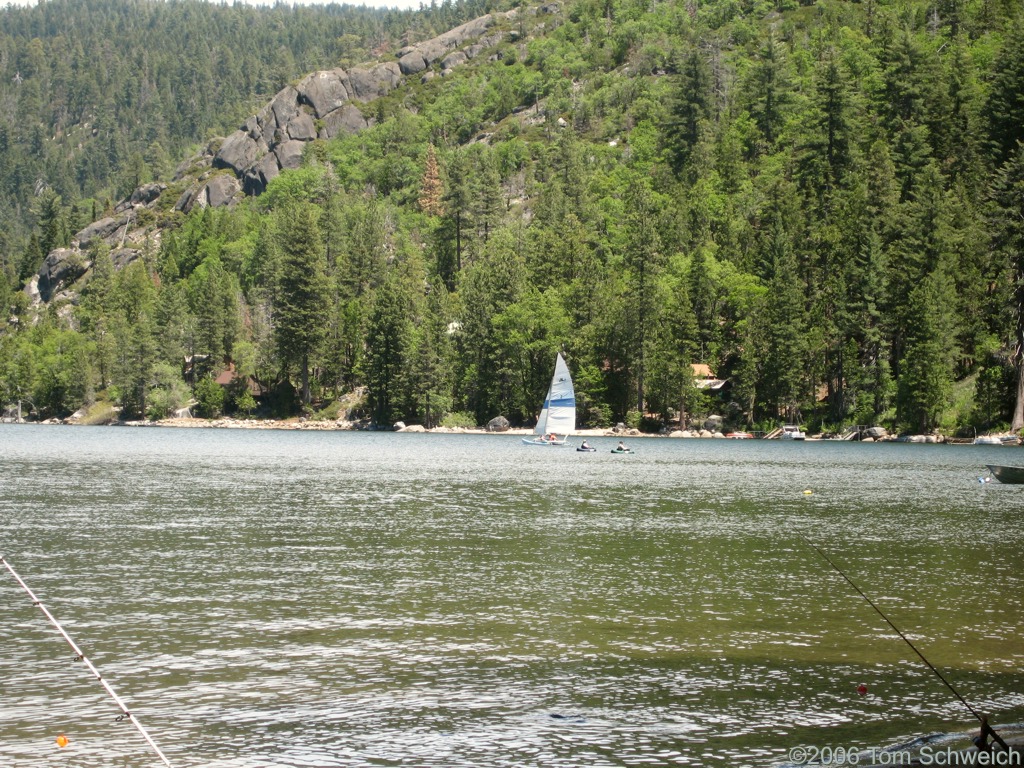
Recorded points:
808,492
62,741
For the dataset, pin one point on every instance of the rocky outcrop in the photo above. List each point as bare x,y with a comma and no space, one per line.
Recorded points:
100,230
321,105
211,192
144,195
415,58
61,268
324,104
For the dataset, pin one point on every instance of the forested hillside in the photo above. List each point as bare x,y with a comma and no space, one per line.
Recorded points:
822,202
100,96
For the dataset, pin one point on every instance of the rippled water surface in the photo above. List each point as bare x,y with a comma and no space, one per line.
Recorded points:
284,598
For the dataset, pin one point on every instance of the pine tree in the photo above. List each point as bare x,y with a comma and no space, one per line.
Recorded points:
703,301
785,322
387,349
431,386
52,223
133,328
926,371
770,86
690,110
363,265
301,309
644,262
671,371
1005,107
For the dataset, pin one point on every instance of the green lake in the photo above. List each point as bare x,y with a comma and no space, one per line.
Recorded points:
266,598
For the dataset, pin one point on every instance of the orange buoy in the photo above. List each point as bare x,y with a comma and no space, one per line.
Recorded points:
62,741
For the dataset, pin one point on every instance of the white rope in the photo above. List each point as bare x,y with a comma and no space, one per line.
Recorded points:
80,656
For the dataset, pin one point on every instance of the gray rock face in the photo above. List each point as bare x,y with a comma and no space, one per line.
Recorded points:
453,60
346,120
267,169
713,423
147,193
325,91
122,257
215,192
284,108
415,58
270,140
369,84
237,153
62,267
222,190
432,50
412,63
100,230
301,128
289,154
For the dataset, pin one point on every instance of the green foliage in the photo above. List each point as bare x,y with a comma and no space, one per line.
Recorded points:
459,420
101,412
245,403
821,203
210,397
302,306
168,393
387,339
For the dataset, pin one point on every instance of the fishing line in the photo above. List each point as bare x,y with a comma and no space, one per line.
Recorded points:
80,656
983,720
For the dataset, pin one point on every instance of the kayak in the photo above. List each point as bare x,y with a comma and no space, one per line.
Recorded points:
619,450
586,450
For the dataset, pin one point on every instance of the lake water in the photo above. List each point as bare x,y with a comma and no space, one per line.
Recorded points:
290,598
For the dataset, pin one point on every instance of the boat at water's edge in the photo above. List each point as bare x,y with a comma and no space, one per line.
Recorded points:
792,432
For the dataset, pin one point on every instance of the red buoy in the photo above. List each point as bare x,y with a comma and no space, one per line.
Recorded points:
862,689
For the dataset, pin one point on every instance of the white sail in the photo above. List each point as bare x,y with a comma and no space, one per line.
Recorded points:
558,415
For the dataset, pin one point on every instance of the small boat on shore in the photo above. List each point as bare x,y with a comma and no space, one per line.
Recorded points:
1008,475
740,436
988,440
792,432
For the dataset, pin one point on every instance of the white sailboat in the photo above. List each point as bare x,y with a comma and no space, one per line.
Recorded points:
558,415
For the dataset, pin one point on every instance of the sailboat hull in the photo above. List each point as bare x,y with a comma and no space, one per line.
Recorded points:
539,441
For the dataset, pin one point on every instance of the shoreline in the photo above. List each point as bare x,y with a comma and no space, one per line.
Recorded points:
342,425
352,426
339,425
